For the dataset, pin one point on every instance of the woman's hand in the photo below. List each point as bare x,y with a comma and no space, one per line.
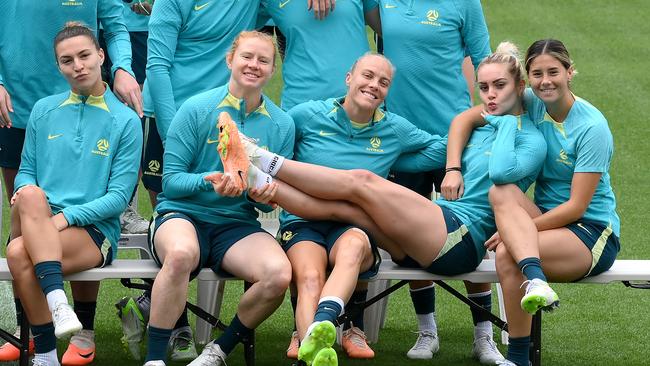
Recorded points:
223,184
452,187
60,222
493,242
264,194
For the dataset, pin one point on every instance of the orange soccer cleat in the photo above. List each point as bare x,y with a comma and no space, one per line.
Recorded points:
232,152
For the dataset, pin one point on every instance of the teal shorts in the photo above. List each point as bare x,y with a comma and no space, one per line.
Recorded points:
325,234
458,255
214,240
601,241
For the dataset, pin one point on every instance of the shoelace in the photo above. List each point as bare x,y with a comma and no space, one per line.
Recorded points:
490,342
212,356
424,340
358,338
61,314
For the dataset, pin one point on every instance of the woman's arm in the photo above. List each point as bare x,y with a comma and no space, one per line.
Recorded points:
164,27
459,132
122,179
583,186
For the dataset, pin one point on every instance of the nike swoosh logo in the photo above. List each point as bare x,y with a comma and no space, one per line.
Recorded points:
583,228
199,7
86,355
212,141
323,133
282,4
389,6
52,137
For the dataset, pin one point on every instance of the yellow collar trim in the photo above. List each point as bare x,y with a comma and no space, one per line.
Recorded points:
93,100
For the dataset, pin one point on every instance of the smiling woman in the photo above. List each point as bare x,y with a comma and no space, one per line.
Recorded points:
79,166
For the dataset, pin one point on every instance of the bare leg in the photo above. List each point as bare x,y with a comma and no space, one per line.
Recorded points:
178,248
268,270
78,254
349,256
565,258
9,175
404,216
309,263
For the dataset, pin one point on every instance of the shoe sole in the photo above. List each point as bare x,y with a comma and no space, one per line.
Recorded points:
322,336
231,151
64,332
326,357
533,303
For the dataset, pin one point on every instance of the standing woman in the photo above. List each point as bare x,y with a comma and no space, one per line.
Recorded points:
572,227
65,216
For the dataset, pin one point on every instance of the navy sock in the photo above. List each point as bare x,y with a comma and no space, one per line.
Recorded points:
49,275
182,320
19,311
531,267
233,334
424,300
157,345
85,311
518,350
358,297
327,310
294,305
484,301
44,339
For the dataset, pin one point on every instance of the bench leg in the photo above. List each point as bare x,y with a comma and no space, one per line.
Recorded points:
209,296
536,340
24,341
374,315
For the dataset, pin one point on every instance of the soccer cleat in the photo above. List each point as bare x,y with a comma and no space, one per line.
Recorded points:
212,355
9,352
65,321
40,362
182,345
506,363
539,295
322,335
485,351
355,345
232,152
425,346
326,357
132,223
292,350
134,320
155,363
81,350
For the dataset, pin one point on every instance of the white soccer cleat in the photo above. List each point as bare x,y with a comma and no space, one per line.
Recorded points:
212,355
425,346
65,321
486,352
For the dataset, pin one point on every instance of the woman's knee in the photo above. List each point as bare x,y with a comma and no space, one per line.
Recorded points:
29,198
506,267
18,259
181,259
355,246
501,195
275,277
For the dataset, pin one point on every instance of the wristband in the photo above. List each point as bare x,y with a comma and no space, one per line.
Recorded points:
453,169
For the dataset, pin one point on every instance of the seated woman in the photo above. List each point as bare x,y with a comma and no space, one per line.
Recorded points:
571,229
79,166
197,226
444,237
